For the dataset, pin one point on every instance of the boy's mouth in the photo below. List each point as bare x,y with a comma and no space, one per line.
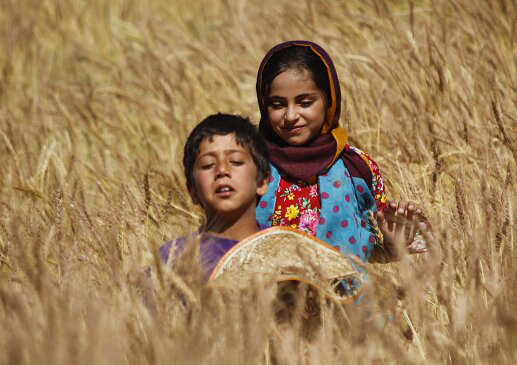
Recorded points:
224,191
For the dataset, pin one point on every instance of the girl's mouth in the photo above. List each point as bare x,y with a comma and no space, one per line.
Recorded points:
294,129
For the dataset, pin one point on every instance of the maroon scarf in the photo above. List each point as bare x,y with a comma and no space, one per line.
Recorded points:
313,158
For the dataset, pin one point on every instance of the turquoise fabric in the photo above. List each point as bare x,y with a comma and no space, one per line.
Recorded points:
345,205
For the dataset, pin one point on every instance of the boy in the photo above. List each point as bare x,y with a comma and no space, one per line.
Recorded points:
226,167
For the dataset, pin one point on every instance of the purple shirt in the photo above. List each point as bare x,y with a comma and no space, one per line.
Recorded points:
211,249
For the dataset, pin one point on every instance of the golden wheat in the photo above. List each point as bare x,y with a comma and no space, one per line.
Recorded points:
96,100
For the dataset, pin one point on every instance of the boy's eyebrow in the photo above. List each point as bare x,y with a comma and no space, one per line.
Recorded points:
226,152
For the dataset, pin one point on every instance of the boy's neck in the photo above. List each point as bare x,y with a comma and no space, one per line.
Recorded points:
235,227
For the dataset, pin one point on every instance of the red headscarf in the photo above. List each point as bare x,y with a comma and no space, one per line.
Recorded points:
315,157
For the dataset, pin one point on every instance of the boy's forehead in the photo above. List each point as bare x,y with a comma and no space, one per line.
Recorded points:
221,143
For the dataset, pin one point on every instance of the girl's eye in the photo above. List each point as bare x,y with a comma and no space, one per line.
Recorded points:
306,103
276,105
237,162
207,166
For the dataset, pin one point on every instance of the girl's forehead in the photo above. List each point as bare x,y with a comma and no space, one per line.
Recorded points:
293,81
299,72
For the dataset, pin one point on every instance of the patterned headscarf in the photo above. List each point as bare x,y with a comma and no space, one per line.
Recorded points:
303,162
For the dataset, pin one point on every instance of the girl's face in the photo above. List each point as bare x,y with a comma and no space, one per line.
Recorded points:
296,108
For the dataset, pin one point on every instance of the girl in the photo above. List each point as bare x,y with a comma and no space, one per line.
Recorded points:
320,184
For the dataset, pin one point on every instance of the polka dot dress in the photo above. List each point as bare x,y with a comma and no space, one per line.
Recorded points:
334,208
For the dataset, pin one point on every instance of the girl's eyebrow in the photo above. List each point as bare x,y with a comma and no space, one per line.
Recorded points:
306,95
301,96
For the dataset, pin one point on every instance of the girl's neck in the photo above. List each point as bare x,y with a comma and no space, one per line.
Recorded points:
235,227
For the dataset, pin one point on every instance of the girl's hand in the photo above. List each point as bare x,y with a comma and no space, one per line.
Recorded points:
399,223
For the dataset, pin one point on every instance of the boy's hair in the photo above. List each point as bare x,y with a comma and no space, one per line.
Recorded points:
246,135
300,58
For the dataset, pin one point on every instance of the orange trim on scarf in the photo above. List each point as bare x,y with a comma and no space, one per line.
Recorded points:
332,110
341,137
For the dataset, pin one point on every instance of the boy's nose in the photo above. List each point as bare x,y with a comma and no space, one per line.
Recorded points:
222,170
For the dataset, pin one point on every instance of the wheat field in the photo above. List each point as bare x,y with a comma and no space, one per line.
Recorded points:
96,100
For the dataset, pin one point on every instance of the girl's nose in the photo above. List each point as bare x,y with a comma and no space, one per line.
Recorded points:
291,114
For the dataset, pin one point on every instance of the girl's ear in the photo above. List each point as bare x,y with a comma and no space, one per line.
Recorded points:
193,194
262,186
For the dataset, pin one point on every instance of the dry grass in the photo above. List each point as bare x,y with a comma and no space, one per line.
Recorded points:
96,98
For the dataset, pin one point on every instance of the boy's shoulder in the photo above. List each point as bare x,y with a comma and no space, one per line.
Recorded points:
207,241
204,238
178,244
165,249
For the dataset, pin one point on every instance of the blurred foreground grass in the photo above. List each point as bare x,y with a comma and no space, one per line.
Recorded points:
96,100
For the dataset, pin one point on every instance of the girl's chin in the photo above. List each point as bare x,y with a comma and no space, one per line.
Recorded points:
296,141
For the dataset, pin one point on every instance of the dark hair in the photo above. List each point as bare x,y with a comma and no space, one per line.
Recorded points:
246,135
298,58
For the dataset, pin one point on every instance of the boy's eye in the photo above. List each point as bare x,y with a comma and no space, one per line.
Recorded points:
207,166
237,162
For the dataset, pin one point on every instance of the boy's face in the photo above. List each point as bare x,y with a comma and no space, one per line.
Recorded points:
225,177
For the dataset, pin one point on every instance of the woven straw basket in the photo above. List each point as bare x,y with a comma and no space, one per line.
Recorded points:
284,254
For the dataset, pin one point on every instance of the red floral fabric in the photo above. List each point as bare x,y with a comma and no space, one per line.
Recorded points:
297,205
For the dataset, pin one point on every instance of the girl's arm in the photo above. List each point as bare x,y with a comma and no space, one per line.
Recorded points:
402,224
